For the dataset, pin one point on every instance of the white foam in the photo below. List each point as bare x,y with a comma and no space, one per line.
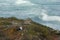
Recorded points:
19,2
46,17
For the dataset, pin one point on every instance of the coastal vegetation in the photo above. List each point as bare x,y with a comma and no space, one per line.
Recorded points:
10,30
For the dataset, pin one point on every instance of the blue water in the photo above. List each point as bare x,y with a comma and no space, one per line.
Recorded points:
9,8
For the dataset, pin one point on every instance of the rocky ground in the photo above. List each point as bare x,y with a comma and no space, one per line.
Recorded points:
10,30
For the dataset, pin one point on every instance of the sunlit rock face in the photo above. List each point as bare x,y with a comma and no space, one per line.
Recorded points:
33,9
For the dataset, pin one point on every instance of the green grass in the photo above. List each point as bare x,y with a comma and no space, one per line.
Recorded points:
31,31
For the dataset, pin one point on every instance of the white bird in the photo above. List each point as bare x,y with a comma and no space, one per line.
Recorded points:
21,28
